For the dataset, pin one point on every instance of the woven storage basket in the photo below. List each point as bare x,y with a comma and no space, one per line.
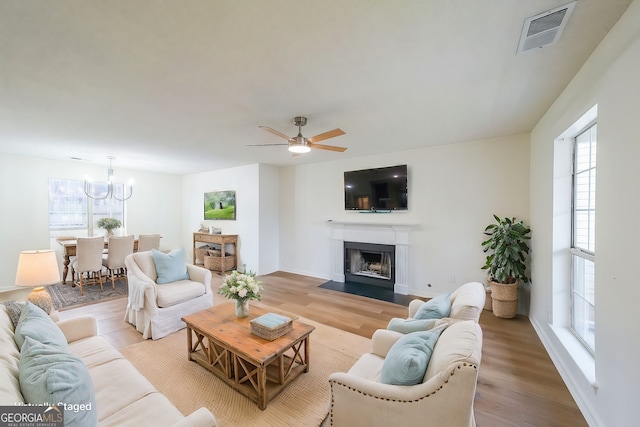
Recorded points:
217,263
270,333
504,292
505,309
487,301
201,253
504,300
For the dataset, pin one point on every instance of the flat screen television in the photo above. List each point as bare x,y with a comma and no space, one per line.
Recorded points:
378,189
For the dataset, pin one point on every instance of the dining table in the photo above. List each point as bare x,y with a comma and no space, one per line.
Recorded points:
69,246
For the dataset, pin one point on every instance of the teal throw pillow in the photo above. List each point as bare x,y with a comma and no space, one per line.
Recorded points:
170,267
37,324
435,308
408,358
48,375
406,326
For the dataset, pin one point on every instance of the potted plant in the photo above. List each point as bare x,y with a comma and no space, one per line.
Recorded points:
506,263
109,224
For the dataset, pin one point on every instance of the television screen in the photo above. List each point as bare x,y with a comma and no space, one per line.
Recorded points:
376,189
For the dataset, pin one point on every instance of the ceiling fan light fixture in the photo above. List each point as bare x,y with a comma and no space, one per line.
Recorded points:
299,144
299,149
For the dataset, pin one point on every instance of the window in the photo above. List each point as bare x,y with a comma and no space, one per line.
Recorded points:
583,237
72,213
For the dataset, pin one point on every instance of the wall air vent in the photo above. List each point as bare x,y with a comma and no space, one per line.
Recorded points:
544,29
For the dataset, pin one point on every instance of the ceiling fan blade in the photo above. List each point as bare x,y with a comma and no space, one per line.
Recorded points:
326,135
265,145
275,132
328,147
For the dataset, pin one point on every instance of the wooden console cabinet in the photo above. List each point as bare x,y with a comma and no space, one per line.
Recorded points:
220,239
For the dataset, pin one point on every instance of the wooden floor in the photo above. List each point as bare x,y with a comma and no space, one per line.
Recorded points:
518,385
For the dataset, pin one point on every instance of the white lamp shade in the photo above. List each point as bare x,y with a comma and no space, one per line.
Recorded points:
37,268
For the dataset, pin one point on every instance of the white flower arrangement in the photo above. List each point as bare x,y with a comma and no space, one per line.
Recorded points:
240,286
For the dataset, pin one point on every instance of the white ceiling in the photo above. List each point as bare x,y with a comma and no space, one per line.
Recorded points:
181,86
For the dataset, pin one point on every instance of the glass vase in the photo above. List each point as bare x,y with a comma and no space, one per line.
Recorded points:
242,308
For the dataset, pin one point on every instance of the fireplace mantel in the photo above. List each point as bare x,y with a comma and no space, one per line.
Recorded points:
372,224
388,234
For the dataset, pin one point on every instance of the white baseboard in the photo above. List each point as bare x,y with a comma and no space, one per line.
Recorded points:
567,373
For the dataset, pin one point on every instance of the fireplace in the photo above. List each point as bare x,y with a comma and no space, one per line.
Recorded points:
370,264
395,235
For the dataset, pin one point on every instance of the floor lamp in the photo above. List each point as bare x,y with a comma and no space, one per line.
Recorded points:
36,269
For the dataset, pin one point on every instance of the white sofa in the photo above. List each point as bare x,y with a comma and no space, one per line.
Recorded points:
467,302
123,396
157,310
444,398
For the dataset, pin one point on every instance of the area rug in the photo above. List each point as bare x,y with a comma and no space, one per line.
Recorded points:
66,297
304,402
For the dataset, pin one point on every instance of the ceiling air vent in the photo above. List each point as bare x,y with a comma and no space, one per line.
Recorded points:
544,29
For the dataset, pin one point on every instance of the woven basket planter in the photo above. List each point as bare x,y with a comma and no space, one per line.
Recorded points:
487,302
504,299
217,263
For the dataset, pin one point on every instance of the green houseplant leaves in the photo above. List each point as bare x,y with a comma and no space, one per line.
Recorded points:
109,223
507,245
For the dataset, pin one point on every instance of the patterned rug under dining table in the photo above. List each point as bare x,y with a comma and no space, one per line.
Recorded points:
254,366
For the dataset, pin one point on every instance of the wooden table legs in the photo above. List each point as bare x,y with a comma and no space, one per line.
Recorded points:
259,382
65,270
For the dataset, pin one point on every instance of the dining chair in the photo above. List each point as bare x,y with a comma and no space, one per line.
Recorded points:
146,242
88,262
119,248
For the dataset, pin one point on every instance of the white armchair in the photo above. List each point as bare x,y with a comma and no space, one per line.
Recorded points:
444,398
157,310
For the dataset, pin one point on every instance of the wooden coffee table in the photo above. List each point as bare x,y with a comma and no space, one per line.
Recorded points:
256,367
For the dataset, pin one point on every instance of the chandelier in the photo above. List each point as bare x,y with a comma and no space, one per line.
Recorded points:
109,193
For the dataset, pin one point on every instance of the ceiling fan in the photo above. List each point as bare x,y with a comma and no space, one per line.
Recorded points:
299,144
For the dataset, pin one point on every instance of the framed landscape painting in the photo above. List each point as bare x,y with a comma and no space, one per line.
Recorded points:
220,205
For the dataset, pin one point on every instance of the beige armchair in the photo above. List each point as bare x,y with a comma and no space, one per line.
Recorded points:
444,398
157,310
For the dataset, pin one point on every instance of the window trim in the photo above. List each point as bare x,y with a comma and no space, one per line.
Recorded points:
88,203
583,253
559,311
577,251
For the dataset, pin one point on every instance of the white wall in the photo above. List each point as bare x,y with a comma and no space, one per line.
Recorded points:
256,221
269,221
610,79
453,192
24,194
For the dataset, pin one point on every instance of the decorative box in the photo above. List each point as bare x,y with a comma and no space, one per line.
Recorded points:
271,326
